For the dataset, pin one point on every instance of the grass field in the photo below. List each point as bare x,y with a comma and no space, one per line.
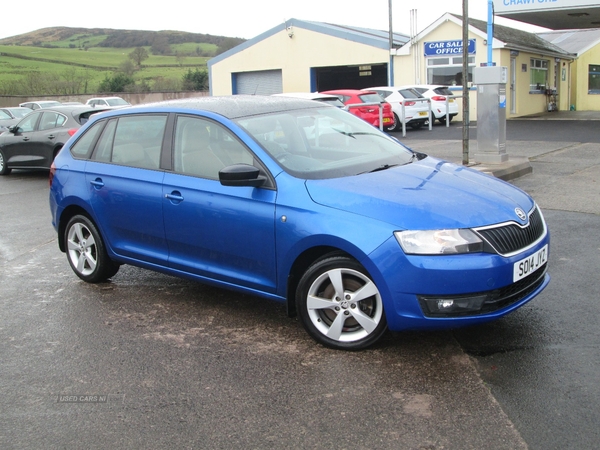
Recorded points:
95,63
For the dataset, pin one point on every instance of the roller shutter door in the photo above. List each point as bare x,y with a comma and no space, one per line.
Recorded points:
264,82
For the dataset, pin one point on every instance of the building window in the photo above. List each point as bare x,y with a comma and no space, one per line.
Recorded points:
447,71
538,79
594,79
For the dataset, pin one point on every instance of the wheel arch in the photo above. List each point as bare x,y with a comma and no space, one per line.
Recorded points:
69,212
300,265
56,149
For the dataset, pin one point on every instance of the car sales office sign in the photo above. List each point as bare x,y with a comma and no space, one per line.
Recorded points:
441,48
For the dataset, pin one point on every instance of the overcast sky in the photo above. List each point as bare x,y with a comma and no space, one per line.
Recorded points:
233,18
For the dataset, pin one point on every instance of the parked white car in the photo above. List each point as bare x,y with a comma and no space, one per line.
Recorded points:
40,104
416,112
438,95
113,102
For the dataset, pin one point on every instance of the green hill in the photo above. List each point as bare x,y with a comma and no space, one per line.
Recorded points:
63,60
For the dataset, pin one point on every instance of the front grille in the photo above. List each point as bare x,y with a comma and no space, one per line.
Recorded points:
510,238
494,300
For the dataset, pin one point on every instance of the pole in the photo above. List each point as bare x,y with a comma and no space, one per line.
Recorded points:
391,45
465,79
490,32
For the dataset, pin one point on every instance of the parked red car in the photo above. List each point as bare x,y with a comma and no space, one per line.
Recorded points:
369,113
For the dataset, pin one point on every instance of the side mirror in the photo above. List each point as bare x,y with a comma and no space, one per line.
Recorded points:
241,175
14,129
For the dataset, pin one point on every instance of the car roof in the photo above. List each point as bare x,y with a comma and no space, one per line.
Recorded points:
428,86
349,91
232,106
42,102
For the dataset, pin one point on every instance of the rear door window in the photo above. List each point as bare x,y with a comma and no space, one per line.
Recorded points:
138,140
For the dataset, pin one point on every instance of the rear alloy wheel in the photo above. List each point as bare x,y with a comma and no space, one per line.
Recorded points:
86,252
340,305
4,170
397,125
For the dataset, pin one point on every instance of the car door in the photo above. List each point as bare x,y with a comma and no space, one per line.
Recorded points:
18,146
218,232
49,135
125,184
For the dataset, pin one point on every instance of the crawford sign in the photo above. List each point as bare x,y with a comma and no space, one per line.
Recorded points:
440,48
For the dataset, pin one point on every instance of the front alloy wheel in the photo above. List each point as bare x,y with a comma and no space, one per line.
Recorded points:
340,305
86,252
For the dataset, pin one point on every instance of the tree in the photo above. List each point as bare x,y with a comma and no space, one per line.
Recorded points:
195,81
127,67
117,83
138,55
227,44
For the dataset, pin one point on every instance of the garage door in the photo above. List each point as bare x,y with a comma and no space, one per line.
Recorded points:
263,82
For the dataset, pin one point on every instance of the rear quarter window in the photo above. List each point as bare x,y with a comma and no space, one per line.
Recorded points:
83,147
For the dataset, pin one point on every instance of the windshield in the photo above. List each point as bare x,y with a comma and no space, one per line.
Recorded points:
370,98
410,93
324,143
20,113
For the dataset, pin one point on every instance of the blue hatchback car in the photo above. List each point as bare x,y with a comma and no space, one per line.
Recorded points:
299,202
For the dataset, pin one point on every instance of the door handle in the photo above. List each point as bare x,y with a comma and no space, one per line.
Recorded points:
174,196
97,183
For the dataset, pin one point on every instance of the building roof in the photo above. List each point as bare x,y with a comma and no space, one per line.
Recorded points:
573,41
519,39
374,38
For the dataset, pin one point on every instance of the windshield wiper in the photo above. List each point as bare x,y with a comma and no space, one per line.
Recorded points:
380,168
358,133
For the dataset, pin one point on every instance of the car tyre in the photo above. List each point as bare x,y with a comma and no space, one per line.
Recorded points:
4,169
86,251
339,304
442,120
397,124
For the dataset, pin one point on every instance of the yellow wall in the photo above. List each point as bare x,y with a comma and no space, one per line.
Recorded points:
581,99
294,56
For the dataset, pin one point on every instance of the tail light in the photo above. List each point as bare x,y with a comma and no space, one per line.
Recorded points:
407,103
51,175
438,98
72,131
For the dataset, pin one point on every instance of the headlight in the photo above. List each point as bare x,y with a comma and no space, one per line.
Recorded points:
439,242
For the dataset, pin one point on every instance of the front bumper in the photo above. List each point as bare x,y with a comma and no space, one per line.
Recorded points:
481,285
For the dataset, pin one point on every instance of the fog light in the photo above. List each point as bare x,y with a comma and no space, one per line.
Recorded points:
432,306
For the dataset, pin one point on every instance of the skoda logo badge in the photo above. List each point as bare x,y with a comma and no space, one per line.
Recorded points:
520,213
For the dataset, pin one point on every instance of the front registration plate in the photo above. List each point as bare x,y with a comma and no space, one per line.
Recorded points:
530,264
423,113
